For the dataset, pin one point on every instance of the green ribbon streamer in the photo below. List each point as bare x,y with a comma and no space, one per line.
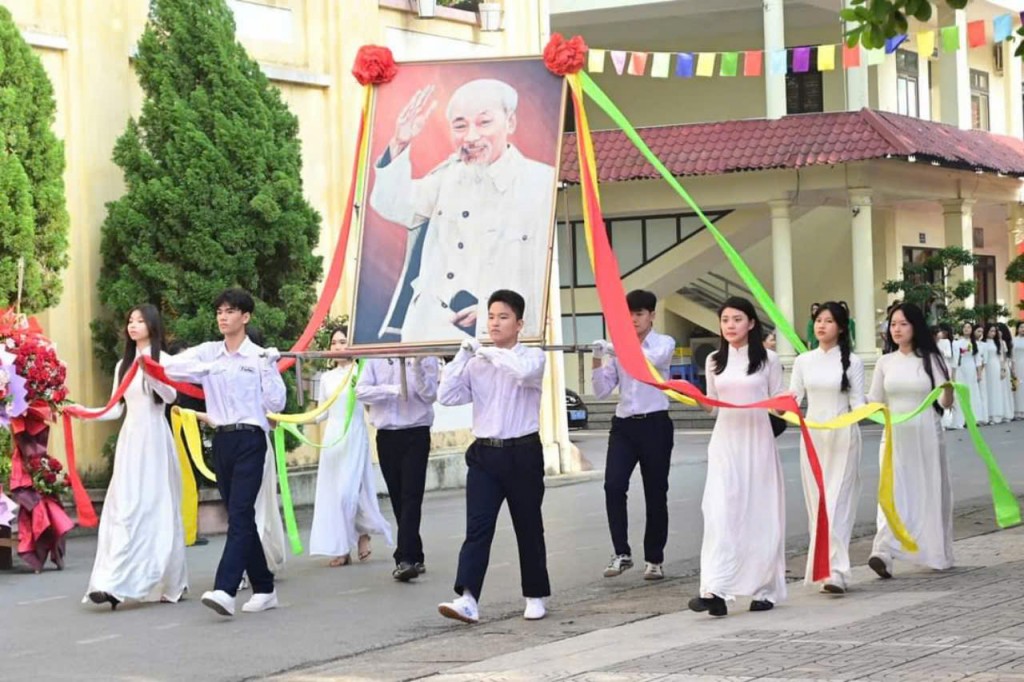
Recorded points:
282,466
286,492
1007,509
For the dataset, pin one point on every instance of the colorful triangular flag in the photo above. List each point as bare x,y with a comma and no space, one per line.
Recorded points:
925,44
976,33
706,64
618,60
595,60
684,65
659,64
1002,27
777,63
892,43
801,59
826,57
851,56
876,57
730,64
753,63
637,63
950,38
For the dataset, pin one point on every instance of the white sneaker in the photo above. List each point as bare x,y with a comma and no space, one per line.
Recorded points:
261,601
535,609
654,572
618,564
220,601
462,608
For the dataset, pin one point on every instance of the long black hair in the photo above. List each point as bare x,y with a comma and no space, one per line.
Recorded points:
998,340
757,354
922,342
970,337
1004,331
841,316
151,316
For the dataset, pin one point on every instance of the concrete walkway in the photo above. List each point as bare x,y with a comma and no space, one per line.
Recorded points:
966,623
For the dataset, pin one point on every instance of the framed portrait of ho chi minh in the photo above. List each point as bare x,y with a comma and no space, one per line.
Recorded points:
459,200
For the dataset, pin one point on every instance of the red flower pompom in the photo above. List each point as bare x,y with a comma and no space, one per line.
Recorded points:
563,56
374,65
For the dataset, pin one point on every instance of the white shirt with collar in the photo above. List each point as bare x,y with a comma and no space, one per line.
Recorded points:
636,397
488,228
240,387
504,386
379,387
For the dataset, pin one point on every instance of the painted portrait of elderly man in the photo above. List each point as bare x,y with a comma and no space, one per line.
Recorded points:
459,200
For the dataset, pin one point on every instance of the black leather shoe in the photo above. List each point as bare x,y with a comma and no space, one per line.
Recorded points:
404,572
420,568
715,606
877,564
761,605
104,597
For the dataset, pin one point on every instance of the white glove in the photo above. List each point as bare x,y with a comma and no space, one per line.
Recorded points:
599,348
271,354
488,353
470,346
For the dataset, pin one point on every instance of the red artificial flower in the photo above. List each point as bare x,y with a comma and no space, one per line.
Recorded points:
563,57
35,461
374,65
66,480
50,477
55,465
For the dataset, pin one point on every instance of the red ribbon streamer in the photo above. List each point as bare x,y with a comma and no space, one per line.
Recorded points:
630,355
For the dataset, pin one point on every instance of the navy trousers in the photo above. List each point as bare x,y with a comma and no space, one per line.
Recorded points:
239,457
514,474
648,442
403,455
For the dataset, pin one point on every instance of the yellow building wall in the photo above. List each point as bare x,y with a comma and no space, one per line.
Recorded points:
306,47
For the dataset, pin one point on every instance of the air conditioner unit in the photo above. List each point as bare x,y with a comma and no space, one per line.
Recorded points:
997,59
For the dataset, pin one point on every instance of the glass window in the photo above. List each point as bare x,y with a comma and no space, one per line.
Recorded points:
690,225
906,82
979,100
564,254
661,235
584,275
985,281
588,328
628,244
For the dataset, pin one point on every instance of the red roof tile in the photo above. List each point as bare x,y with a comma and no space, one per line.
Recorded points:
796,142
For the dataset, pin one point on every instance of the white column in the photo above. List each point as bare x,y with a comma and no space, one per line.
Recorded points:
1012,74
958,220
887,99
782,268
863,271
857,95
954,74
774,39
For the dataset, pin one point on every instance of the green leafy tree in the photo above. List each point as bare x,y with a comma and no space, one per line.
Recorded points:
1015,273
872,22
33,216
214,192
927,284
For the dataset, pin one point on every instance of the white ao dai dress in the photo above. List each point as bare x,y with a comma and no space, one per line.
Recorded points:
744,548
967,374
953,418
140,550
818,375
346,503
992,383
924,495
1018,365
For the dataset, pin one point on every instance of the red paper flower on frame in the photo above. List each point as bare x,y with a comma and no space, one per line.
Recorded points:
374,65
563,57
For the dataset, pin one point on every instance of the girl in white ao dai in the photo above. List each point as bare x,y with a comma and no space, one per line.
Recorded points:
744,547
140,550
832,379
924,495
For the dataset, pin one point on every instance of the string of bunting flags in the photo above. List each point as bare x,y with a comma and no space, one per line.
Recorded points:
825,57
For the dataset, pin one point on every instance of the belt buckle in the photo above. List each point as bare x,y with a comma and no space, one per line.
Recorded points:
638,416
493,442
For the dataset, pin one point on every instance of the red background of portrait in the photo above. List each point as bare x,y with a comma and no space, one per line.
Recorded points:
537,136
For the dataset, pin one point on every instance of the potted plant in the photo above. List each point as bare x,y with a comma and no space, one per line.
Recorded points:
490,16
426,8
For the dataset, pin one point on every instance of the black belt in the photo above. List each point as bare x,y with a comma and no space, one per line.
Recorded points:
509,442
645,415
230,428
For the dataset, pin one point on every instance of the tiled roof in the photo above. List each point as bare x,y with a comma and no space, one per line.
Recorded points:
796,141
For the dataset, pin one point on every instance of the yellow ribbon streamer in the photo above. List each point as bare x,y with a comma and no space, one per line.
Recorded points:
312,415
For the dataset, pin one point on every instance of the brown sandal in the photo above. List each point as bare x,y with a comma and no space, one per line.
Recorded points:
340,561
364,549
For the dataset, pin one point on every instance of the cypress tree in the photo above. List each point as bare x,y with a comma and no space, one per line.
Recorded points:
214,192
33,217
